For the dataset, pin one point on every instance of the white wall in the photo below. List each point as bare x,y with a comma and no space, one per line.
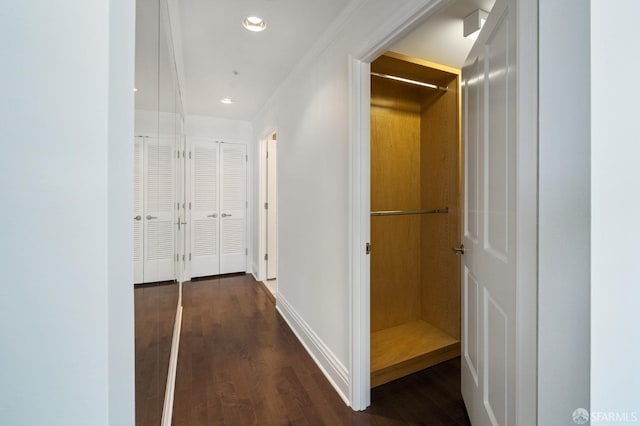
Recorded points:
120,205
153,123
66,301
564,205
311,114
218,128
615,209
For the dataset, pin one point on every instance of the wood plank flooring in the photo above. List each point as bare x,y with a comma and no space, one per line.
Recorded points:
240,364
155,312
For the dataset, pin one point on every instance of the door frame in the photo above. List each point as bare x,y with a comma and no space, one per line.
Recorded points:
526,214
272,207
260,269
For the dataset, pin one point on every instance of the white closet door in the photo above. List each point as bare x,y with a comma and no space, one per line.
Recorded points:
160,208
205,216
180,247
138,211
272,251
233,208
489,261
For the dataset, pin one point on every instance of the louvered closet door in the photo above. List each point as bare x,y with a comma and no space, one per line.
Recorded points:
205,216
159,216
138,211
233,200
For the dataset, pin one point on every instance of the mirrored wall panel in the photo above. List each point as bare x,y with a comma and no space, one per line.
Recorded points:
158,216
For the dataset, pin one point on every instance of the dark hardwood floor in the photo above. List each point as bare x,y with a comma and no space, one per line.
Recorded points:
155,312
240,364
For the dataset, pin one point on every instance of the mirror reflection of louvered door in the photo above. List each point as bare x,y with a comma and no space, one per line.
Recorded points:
159,205
138,210
205,216
233,248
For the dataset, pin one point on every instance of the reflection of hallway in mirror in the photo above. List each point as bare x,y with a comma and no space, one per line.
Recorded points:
241,364
155,311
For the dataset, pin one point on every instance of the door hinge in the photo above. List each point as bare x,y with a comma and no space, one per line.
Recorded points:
267,154
266,256
246,252
189,257
368,248
183,153
177,257
189,155
246,158
177,206
266,206
183,257
177,154
189,205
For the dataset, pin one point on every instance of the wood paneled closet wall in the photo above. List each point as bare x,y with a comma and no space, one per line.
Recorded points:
415,166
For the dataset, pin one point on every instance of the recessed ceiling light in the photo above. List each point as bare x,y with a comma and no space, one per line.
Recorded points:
226,101
253,23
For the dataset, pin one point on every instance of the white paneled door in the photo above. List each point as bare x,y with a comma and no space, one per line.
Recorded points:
205,214
218,199
488,271
272,251
233,208
159,209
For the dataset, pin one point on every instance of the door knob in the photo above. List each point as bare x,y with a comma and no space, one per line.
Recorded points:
458,250
137,217
149,217
226,215
214,215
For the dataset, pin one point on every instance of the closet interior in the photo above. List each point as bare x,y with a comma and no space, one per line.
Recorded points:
415,216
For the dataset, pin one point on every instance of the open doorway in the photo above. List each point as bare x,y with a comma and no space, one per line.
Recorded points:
415,216
500,129
416,195
268,270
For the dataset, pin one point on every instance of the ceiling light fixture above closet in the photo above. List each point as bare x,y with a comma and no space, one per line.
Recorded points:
226,101
473,23
254,23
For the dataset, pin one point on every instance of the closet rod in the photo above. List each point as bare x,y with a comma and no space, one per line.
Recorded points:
406,80
406,212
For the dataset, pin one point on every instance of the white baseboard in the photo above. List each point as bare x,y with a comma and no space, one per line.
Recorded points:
328,363
167,409
255,271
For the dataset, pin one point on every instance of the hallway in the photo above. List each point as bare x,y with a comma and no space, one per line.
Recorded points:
240,364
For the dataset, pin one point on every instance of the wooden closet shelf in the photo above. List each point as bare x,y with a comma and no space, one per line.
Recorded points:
407,348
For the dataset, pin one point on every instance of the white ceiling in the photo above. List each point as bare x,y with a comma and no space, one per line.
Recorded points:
440,39
211,43
214,44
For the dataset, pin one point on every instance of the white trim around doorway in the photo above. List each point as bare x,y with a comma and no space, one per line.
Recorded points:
359,196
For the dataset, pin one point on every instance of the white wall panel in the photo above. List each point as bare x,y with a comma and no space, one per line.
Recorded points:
615,209
311,114
563,210
66,304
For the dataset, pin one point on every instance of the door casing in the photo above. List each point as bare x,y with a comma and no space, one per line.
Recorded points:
526,215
